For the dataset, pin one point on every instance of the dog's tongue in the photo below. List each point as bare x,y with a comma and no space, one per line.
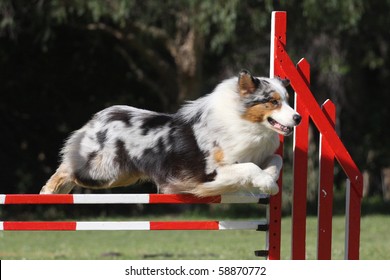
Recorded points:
278,126
285,129
281,127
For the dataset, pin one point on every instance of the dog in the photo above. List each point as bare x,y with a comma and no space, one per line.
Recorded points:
221,143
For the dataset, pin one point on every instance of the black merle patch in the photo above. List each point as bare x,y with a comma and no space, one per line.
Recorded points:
101,137
122,157
179,156
255,99
186,155
82,174
154,122
211,176
120,115
87,181
91,157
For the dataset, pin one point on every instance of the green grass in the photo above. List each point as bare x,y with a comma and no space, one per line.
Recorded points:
375,243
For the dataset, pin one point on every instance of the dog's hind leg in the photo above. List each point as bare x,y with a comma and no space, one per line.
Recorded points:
61,182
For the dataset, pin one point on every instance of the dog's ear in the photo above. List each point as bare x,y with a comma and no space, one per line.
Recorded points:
247,84
285,82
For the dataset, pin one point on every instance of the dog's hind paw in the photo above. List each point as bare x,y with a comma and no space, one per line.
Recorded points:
45,190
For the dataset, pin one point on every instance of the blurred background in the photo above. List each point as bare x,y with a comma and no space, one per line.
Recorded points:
62,61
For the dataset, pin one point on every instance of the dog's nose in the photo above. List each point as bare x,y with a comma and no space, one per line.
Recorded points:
297,119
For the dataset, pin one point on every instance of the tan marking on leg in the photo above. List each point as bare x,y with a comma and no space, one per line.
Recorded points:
59,183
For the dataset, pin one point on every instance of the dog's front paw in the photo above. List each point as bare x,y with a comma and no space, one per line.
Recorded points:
272,171
266,184
273,166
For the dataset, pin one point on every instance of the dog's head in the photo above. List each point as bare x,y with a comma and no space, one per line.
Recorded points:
265,101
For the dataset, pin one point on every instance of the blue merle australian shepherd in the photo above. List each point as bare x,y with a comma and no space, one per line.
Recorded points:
222,142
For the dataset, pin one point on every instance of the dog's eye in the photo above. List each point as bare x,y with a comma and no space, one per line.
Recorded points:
274,102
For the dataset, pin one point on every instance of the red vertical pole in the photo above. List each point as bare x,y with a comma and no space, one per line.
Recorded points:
352,223
278,32
300,146
325,192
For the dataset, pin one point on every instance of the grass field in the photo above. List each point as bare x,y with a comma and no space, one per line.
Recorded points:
375,243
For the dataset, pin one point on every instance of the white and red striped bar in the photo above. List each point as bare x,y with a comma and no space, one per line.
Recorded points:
129,199
138,225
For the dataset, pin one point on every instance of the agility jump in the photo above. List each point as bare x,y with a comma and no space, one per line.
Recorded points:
133,199
331,148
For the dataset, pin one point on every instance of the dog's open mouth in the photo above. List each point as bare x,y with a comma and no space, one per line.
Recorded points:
285,130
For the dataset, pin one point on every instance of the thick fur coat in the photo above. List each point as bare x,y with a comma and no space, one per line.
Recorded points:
222,142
